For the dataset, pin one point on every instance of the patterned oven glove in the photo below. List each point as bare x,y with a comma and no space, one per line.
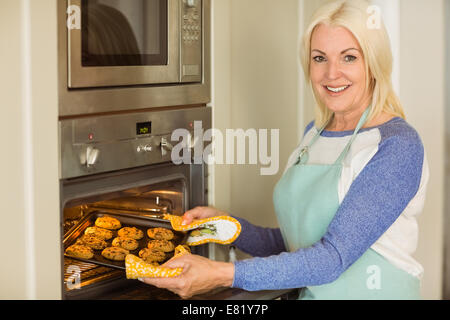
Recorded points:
223,229
138,268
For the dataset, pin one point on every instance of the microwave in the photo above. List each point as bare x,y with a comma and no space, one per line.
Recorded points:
117,55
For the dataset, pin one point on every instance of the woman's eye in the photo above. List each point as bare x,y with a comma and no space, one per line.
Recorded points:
319,58
349,58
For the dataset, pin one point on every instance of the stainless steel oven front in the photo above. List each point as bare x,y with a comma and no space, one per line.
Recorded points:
117,55
121,165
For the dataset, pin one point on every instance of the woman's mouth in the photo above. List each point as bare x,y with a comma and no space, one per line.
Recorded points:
334,91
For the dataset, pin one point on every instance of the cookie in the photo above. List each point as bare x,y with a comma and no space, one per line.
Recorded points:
178,250
126,243
92,242
162,245
131,232
109,223
152,255
160,234
100,233
115,253
80,251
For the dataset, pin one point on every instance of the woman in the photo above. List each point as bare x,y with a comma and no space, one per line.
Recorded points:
348,200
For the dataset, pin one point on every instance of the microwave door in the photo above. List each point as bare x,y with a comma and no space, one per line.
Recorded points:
123,43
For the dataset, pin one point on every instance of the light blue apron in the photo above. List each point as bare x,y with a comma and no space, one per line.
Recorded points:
306,200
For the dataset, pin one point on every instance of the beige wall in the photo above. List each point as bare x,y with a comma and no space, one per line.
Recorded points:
258,48
422,95
220,176
264,91
12,274
256,86
29,165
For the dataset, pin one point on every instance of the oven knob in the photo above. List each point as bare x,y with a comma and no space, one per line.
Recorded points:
91,156
145,148
165,146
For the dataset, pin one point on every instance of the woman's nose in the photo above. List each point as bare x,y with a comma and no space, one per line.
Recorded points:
333,70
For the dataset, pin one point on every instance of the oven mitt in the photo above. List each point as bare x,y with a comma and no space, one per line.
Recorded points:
138,268
223,229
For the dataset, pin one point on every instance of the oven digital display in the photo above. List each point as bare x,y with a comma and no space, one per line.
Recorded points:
143,128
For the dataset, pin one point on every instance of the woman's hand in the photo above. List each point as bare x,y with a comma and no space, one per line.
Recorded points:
199,275
201,213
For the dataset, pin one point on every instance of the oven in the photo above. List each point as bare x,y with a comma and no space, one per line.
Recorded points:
117,55
121,166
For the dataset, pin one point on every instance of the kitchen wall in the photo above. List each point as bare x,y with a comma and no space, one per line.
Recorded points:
29,188
447,149
258,84
422,94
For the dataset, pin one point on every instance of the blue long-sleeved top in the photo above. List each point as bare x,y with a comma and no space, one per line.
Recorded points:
381,192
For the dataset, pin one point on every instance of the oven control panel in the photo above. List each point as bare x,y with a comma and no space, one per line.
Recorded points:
117,142
191,40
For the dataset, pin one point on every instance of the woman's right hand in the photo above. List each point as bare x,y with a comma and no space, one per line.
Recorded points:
198,213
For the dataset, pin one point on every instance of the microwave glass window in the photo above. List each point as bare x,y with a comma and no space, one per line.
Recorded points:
124,32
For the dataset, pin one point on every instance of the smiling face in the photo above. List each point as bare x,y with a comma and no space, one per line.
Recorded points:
337,70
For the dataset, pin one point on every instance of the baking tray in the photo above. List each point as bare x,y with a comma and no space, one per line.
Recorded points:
127,220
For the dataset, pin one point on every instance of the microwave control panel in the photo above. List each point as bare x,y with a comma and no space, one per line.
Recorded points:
191,40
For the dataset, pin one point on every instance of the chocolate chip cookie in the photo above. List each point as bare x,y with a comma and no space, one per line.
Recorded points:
152,255
109,223
126,243
131,232
100,233
162,245
92,242
115,253
178,251
80,251
160,234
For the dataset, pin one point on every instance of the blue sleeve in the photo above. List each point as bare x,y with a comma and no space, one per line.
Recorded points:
308,127
376,198
258,241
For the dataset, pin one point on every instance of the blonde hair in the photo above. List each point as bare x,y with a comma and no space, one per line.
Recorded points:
376,48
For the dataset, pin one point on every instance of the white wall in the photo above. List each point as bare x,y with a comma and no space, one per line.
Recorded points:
29,188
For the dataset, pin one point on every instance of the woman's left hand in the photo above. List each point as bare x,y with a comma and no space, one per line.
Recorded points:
199,275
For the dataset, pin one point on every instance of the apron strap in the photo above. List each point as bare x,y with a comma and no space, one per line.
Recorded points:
303,156
361,122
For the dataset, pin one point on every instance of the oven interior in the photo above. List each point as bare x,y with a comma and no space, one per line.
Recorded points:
84,280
